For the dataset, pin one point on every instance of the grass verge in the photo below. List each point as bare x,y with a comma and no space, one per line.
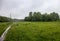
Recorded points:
3,27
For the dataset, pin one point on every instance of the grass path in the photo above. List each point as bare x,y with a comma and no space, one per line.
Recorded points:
4,34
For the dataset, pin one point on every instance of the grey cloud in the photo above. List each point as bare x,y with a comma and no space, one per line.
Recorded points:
21,8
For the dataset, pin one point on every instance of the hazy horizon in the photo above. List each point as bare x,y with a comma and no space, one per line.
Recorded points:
21,8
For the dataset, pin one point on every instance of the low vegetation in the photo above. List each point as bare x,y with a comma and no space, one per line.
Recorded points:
3,27
34,31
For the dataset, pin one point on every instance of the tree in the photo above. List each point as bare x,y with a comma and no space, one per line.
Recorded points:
54,16
26,19
37,16
30,16
44,17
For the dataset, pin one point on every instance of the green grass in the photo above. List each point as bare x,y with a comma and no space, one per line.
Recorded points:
34,31
3,27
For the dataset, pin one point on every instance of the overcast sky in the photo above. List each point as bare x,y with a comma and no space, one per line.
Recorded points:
21,8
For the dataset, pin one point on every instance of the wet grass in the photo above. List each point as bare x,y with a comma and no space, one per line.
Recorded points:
3,27
34,31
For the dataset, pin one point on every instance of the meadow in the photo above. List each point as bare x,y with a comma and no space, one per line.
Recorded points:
3,27
34,31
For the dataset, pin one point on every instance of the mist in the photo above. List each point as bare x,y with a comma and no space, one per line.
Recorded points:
21,8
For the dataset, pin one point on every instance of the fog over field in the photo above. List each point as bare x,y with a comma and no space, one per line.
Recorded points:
21,8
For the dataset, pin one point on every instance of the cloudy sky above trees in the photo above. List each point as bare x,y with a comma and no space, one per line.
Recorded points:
21,8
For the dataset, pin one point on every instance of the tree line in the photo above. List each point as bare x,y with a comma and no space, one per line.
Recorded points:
37,16
5,19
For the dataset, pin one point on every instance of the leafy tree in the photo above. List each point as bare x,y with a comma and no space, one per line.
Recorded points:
30,16
54,16
37,16
44,17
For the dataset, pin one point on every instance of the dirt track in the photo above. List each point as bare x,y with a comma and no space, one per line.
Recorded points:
4,34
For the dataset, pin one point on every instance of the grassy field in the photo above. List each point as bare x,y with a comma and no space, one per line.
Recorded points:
3,27
34,31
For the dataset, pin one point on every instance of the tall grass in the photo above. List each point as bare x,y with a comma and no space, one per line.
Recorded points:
3,27
34,31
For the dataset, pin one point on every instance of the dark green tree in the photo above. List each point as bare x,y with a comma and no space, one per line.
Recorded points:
37,16
54,16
